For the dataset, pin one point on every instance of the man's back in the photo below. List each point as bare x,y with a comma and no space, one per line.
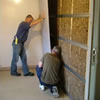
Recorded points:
51,66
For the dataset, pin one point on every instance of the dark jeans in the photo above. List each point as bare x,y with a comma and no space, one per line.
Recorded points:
39,73
19,50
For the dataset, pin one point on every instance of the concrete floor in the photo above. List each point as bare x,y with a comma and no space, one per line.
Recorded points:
23,88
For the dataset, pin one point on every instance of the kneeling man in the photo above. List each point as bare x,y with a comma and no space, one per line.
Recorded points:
48,71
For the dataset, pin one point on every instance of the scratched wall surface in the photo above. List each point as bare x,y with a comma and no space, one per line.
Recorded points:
73,38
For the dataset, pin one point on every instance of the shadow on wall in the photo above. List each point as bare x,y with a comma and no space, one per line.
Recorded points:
62,74
32,34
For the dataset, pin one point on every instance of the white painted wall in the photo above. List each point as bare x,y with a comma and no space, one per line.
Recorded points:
11,14
45,27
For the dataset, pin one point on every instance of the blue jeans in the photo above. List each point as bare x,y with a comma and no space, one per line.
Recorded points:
19,50
39,74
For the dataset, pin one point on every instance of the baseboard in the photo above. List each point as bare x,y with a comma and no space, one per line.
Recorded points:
19,68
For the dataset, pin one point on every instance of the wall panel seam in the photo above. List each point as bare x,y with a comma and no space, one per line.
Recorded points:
75,73
73,43
73,15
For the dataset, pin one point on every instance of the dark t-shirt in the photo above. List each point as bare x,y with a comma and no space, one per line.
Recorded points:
51,67
22,32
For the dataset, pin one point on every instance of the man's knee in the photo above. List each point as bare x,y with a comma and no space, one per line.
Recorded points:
38,70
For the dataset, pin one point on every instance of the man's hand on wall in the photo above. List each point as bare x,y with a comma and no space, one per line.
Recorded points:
43,15
39,20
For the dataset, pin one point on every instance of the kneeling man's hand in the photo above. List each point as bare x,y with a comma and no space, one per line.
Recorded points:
40,64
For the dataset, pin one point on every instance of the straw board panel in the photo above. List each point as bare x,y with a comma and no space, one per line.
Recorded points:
78,60
80,30
65,52
74,86
80,6
64,27
66,6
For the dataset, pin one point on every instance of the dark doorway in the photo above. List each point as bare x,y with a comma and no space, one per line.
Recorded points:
52,4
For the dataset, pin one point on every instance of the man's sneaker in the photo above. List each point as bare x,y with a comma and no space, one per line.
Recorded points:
55,92
29,74
42,87
16,74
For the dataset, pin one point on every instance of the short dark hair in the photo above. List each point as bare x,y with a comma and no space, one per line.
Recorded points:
29,16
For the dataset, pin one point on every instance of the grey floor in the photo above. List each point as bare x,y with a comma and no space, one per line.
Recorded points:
23,88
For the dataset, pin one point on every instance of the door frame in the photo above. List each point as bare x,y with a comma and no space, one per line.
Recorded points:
94,71
90,36
91,88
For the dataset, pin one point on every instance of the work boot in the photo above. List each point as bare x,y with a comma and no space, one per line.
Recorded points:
55,92
16,74
29,74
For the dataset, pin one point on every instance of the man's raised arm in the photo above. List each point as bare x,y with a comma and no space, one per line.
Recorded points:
39,20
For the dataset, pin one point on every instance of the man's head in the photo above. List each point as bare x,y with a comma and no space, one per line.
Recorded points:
56,50
29,18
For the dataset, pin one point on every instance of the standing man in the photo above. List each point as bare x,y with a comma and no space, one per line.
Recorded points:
48,71
18,45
